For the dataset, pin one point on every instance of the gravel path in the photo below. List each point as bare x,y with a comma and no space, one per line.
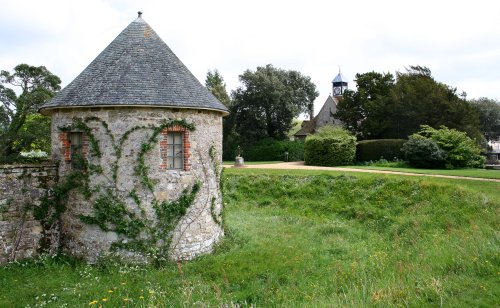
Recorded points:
300,165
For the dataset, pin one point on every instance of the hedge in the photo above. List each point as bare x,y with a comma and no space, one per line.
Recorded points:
335,148
270,149
371,150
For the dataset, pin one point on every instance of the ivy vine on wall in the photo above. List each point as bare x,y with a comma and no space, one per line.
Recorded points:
110,211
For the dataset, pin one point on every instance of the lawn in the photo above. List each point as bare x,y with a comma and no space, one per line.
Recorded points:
306,238
474,173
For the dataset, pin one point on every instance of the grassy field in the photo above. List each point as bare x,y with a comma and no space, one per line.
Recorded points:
306,238
475,173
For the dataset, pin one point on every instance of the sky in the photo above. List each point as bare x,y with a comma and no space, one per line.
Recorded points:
458,40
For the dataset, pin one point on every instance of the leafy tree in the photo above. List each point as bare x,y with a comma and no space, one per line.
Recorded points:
460,150
421,100
269,100
364,112
489,117
35,86
215,83
382,108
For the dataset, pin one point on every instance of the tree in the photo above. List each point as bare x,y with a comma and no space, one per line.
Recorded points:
269,100
215,84
364,112
36,86
382,108
489,117
421,100
454,149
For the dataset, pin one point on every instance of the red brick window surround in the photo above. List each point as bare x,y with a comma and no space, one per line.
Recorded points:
74,143
174,148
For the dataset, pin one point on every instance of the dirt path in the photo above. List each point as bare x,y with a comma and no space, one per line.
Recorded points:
300,165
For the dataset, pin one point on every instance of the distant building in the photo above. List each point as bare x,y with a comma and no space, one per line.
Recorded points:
326,115
493,155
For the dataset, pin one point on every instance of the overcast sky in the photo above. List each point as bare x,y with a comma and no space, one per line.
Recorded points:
458,40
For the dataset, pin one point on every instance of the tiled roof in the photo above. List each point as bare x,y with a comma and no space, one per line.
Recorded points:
136,69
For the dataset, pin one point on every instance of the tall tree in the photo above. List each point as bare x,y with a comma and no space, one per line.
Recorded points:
35,86
384,108
364,111
215,84
269,100
421,100
489,117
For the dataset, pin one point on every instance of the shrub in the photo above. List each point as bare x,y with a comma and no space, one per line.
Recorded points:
461,151
270,149
372,150
424,153
330,146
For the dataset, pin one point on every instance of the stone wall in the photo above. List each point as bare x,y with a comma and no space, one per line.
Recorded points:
197,232
21,187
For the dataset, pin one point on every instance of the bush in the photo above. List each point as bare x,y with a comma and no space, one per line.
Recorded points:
270,149
461,151
330,146
372,150
424,153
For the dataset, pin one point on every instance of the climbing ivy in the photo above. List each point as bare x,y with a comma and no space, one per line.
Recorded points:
110,212
212,152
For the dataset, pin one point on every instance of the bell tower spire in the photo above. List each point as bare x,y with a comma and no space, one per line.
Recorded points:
339,84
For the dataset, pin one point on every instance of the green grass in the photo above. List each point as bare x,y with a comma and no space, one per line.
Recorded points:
252,162
307,238
474,173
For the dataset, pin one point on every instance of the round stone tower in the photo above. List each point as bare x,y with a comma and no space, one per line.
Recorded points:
139,141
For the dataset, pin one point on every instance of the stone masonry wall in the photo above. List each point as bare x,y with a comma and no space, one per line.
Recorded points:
21,186
197,232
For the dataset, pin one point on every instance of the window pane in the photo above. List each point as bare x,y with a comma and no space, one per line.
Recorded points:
76,140
178,150
178,163
178,138
175,150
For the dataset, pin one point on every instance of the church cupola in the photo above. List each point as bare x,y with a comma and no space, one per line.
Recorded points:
339,84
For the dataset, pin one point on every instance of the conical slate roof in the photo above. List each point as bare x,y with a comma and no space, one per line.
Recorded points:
136,69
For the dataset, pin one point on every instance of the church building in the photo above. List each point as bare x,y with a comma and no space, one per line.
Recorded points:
326,116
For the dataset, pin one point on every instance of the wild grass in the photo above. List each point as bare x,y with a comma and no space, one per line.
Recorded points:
297,238
401,166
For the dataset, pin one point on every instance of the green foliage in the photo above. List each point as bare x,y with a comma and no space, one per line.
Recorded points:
461,151
382,108
54,203
18,126
215,84
330,146
424,153
489,117
111,214
364,112
268,101
169,213
376,149
274,150
304,241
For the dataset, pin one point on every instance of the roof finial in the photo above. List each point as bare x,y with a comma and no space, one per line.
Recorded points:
139,14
